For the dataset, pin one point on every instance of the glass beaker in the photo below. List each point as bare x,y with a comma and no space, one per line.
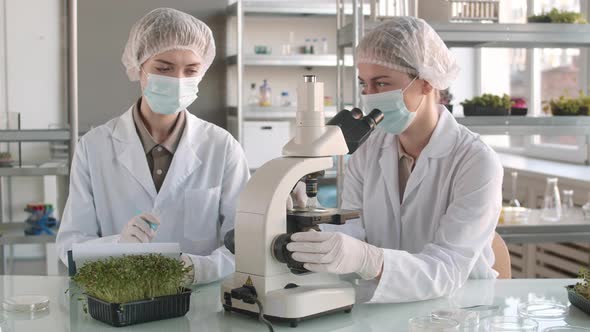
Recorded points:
552,204
514,201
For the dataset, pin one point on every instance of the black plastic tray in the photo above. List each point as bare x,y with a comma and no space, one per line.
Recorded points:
470,110
516,111
124,314
578,300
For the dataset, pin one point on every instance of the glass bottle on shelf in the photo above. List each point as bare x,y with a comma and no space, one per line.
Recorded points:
552,204
265,94
253,99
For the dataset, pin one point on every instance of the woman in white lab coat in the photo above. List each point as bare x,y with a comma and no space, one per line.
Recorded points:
158,173
429,189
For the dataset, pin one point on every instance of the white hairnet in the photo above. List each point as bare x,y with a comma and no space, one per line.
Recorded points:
166,29
410,45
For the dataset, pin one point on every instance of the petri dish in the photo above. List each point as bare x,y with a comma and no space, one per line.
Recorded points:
484,310
566,328
433,324
543,310
510,324
26,303
468,320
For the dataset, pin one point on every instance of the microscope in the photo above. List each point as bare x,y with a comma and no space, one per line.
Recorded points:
268,282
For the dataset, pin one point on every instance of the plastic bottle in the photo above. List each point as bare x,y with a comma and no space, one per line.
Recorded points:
315,46
324,45
265,94
253,99
307,46
285,101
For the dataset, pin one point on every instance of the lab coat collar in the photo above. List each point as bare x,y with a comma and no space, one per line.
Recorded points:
129,151
445,135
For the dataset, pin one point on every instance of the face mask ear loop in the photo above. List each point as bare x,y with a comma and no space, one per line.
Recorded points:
407,87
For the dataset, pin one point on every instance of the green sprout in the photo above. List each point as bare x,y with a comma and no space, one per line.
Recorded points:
132,278
583,288
490,101
567,105
557,16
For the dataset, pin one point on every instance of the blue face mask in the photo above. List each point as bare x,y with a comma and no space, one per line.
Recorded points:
397,117
170,95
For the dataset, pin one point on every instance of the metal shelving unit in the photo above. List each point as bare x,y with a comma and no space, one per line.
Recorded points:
514,125
13,233
531,35
241,8
274,8
297,60
278,113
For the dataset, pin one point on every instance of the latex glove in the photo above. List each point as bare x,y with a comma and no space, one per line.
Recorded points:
189,278
297,198
336,253
140,229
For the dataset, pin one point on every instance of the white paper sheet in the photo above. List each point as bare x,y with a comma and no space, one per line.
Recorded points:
89,252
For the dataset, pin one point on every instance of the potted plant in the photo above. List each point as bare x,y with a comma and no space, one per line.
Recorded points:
128,290
519,107
557,16
487,104
579,294
445,98
6,159
566,106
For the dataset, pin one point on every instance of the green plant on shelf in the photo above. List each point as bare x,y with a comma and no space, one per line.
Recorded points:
490,101
583,287
568,105
557,16
132,278
5,156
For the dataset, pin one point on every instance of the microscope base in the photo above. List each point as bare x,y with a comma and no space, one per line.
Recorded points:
295,303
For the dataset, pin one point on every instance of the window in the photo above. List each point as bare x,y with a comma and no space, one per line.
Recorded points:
535,75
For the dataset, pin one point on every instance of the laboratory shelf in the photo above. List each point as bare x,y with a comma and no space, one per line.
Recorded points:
274,113
298,60
531,35
291,8
34,135
35,170
13,233
515,125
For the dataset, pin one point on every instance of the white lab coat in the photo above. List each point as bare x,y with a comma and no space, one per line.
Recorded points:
110,182
441,234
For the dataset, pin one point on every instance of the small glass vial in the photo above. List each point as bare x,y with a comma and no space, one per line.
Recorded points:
568,203
552,205
586,208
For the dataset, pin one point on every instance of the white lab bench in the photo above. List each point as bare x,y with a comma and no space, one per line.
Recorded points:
206,314
572,228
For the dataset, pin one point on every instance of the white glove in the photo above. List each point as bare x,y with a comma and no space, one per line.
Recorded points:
298,197
336,253
140,229
189,278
